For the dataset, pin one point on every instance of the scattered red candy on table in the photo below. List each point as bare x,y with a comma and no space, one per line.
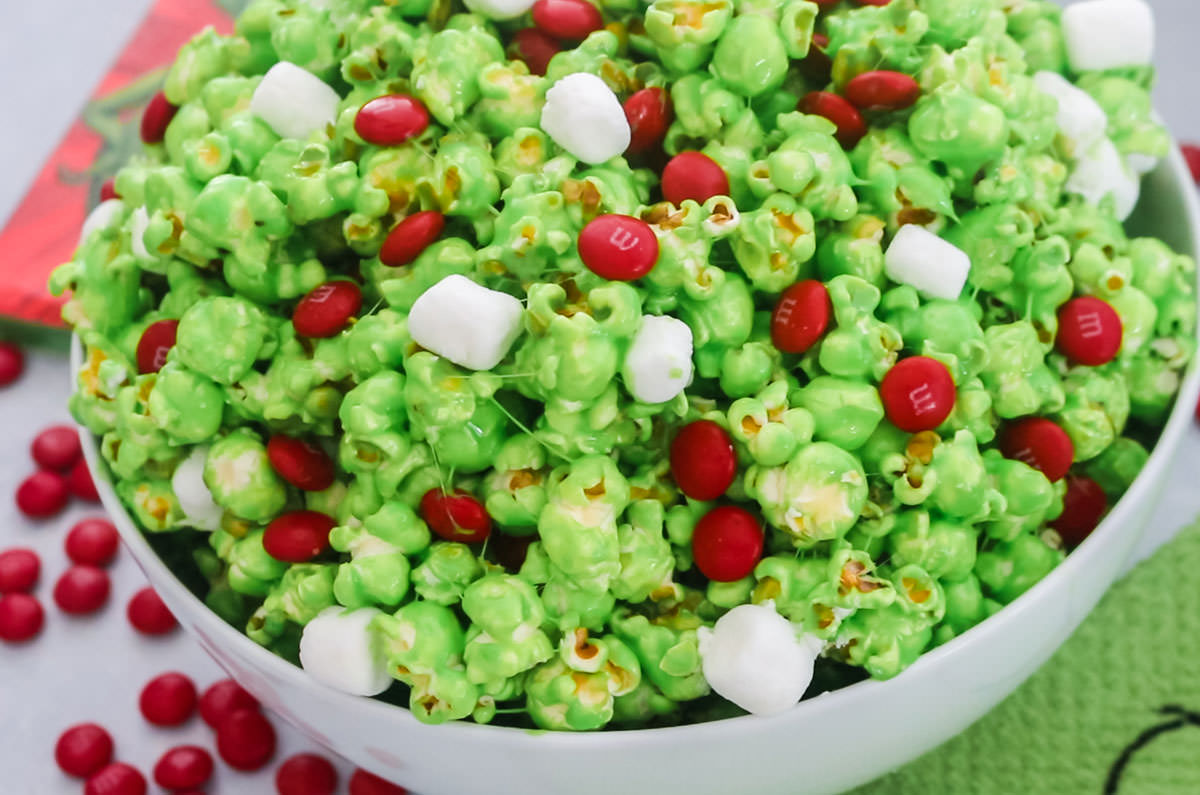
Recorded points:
1191,154
535,48
364,783
182,767
80,483
19,570
727,544
648,112
298,536
882,90
92,542
391,120
108,190
801,317
154,345
42,494
1040,443
326,310
567,19
245,740
12,363
56,448
117,778
83,749
158,114
917,393
618,247
222,699
300,463
410,237
693,175
1089,331
455,517
148,614
851,126
703,461
168,699
82,590
306,774
1083,506
21,617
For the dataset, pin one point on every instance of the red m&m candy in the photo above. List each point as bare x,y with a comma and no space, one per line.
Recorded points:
1089,331
882,90
410,237
703,461
326,310
391,120
695,176
1083,505
567,19
618,247
917,393
801,317
455,517
300,463
727,544
57,447
1040,443
156,341
851,126
298,536
84,749
648,112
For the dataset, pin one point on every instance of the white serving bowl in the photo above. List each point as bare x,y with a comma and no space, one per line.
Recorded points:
826,744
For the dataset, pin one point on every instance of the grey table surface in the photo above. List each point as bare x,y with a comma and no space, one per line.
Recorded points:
93,669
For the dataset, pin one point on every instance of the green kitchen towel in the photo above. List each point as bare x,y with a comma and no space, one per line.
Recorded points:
1115,710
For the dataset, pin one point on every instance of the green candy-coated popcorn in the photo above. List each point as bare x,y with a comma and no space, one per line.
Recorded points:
919,593
844,412
222,337
809,163
750,70
720,322
1035,27
884,37
1013,567
515,491
961,479
1116,467
304,590
948,331
446,70
1016,374
569,604
423,644
945,550
241,478
815,497
964,604
671,23
884,641
239,215
669,655
252,571
446,571
773,242
1027,498
769,427
861,345
853,248
574,354
453,410
578,527
378,571
1131,123
153,504
576,690
508,615
647,562
953,126
1095,410
187,406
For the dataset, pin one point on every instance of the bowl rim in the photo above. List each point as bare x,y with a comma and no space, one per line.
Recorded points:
1179,419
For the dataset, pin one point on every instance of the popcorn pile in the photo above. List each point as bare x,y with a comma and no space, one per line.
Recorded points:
574,365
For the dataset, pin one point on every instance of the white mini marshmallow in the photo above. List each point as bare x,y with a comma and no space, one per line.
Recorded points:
195,500
465,322
139,221
658,365
1140,163
1108,34
1081,120
584,116
499,9
753,657
1101,172
101,216
293,101
921,259
337,648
